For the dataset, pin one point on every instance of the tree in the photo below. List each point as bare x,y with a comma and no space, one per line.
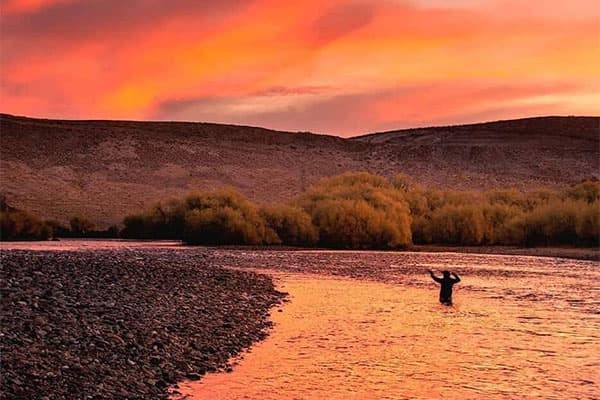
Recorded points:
80,226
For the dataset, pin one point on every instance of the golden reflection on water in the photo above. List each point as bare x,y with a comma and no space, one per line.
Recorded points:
349,339
522,328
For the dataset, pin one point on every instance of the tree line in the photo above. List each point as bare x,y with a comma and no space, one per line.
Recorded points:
18,224
363,211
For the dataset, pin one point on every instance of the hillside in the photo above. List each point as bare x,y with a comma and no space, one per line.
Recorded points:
106,169
541,132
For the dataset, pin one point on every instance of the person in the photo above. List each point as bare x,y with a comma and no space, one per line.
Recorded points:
446,284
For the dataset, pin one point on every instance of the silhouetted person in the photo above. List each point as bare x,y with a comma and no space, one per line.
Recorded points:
446,284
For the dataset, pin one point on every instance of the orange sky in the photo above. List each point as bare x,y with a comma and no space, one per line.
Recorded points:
340,67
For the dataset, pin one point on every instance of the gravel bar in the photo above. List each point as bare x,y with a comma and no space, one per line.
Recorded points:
115,324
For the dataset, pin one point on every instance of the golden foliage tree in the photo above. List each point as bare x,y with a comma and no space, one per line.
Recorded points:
21,225
358,210
292,225
224,217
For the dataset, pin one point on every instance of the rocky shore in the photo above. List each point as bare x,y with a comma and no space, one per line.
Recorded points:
122,324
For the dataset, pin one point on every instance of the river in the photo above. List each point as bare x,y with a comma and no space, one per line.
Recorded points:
366,325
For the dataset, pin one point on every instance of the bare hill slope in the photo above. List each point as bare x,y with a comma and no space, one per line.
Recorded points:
106,169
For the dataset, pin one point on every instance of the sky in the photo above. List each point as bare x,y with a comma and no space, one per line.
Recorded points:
336,67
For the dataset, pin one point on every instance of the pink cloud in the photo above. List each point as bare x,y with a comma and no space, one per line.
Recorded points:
340,67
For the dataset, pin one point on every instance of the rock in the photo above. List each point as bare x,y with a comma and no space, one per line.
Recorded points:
161,384
193,376
155,360
109,326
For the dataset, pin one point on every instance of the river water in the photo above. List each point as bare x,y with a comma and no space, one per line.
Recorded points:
521,328
366,325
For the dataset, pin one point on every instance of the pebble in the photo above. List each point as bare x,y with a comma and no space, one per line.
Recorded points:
108,324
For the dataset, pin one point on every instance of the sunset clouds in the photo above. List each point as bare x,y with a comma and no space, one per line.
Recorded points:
341,67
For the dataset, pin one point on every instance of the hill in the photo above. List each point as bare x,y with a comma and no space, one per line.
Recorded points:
106,169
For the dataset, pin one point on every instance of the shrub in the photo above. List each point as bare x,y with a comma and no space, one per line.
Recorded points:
405,183
162,221
553,223
358,210
457,224
80,226
225,217
135,227
292,225
587,225
588,191
505,197
21,225
498,225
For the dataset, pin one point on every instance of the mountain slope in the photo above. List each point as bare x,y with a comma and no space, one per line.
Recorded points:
540,132
106,169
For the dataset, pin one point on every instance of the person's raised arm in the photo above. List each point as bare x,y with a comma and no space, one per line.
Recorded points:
456,277
435,278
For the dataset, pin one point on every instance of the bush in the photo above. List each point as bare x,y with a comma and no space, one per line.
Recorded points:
499,226
507,216
225,217
405,183
588,191
357,211
21,225
457,224
354,224
568,222
505,197
162,221
80,226
292,225
587,225
364,211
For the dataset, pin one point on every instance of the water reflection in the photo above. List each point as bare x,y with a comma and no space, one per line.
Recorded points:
91,244
348,339
521,327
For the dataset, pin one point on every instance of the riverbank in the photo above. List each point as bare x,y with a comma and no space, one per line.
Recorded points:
575,253
122,323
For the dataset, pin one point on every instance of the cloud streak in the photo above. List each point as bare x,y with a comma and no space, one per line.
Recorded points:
345,67
352,114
